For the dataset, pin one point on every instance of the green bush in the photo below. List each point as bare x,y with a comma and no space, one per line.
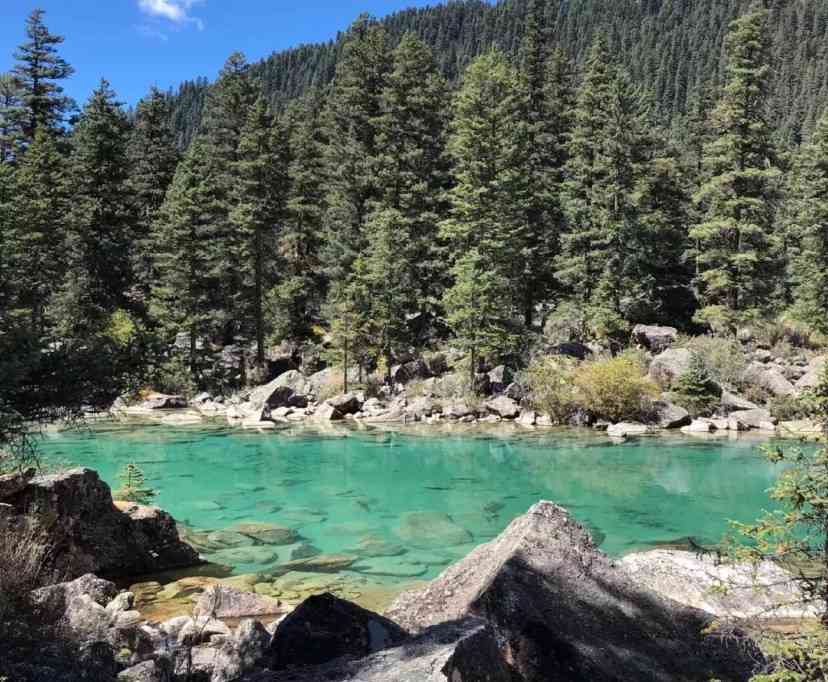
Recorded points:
790,407
802,658
174,376
551,388
723,357
695,390
616,389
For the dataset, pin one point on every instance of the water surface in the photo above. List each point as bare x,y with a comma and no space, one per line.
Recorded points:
346,491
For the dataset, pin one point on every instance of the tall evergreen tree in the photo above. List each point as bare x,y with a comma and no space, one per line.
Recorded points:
10,116
487,223
354,112
37,72
153,158
412,172
183,295
37,239
297,298
101,219
259,208
809,209
7,284
737,199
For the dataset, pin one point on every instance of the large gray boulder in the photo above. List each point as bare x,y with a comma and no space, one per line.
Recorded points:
669,415
503,407
324,627
346,403
87,533
667,366
725,589
654,338
813,374
562,610
758,418
463,651
221,601
768,378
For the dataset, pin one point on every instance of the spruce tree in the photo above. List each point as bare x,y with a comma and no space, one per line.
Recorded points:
486,228
101,220
37,72
809,231
189,271
259,208
412,172
8,187
153,158
737,198
353,119
10,115
296,300
37,238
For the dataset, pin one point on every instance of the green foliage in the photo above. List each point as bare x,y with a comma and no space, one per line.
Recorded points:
133,486
174,376
551,388
723,357
122,328
616,388
695,390
791,407
799,658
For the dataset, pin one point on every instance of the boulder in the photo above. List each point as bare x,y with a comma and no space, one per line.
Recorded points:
654,338
157,670
419,408
457,410
562,610
727,590
698,426
733,401
624,429
758,418
162,401
290,389
768,378
327,413
265,533
87,533
432,529
464,651
53,600
324,627
670,416
346,403
11,484
220,601
813,374
241,653
499,378
571,349
527,418
668,365
503,407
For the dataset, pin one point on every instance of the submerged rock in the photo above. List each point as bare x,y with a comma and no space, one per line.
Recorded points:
624,429
220,601
266,533
432,529
560,609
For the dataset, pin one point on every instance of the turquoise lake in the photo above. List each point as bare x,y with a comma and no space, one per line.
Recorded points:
344,489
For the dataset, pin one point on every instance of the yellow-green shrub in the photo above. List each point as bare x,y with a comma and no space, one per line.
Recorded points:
615,388
723,357
551,391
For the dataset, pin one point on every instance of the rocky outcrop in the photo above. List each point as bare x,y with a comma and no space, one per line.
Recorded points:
560,609
87,533
727,590
654,338
670,416
220,601
324,627
758,418
666,367
503,407
768,378
462,651
813,374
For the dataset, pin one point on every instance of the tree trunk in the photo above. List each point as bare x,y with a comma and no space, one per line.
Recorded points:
473,371
258,303
345,367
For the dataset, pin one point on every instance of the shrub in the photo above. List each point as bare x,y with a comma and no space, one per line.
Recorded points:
790,407
615,389
551,389
723,357
174,376
133,486
801,658
23,568
695,390
568,322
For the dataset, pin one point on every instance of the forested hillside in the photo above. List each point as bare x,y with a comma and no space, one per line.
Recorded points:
673,48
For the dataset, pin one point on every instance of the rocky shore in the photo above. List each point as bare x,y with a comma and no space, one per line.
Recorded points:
539,602
433,389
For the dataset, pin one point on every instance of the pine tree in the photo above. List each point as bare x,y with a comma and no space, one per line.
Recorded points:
809,208
735,236
153,158
183,295
354,111
412,171
37,239
8,190
487,224
297,298
10,115
101,220
259,209
39,67
134,486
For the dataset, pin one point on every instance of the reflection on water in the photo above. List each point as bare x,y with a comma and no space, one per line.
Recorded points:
398,506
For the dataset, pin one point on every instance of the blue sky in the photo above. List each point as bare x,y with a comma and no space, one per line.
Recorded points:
138,43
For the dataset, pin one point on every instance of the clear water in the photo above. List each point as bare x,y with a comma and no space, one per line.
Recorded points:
342,488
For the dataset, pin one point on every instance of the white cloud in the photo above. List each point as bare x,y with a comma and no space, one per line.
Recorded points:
176,11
